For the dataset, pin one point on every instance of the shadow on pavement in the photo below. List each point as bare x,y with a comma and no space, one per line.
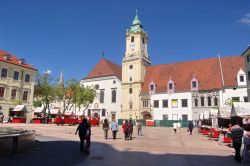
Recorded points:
66,153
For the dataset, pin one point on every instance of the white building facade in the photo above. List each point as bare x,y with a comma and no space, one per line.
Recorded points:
107,103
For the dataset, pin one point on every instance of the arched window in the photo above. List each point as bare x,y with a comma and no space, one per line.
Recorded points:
209,101
130,90
202,101
196,102
113,96
215,101
132,39
102,96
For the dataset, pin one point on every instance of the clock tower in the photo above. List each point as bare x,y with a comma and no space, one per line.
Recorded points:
134,65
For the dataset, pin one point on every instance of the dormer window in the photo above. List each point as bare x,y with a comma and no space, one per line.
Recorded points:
152,87
7,57
194,84
241,78
22,61
170,86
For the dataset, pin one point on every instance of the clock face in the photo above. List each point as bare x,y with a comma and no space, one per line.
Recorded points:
132,46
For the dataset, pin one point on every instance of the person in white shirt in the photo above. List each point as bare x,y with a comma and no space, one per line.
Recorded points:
178,127
175,127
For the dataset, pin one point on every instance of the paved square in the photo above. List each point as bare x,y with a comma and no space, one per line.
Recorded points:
158,146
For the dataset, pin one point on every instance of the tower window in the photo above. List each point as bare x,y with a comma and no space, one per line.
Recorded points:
132,39
143,40
130,90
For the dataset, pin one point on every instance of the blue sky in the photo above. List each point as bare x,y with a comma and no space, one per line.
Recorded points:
70,35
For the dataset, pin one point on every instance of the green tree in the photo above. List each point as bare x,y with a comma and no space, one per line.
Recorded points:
44,92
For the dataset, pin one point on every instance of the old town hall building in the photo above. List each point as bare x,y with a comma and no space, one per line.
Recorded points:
163,92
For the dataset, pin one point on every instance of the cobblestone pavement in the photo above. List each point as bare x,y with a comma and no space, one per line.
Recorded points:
58,146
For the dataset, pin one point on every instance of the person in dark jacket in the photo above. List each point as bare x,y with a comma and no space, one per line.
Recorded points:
190,127
84,134
131,127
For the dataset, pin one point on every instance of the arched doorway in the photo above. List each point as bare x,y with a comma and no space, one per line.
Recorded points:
146,115
96,115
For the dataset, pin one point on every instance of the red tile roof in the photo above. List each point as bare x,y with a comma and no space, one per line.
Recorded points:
105,68
206,71
13,60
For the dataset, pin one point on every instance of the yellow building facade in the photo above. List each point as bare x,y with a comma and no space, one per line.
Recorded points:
16,83
134,64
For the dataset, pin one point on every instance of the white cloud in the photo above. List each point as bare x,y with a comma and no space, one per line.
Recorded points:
245,19
47,72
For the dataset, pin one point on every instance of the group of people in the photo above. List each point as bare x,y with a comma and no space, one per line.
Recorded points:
113,127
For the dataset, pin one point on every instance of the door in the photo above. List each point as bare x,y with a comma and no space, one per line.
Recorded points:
113,117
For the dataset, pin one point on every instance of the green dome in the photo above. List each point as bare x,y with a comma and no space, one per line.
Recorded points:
136,25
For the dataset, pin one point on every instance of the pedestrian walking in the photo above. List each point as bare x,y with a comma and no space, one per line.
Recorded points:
179,127
175,127
131,128
114,129
84,131
105,127
1,115
236,134
190,127
125,129
139,128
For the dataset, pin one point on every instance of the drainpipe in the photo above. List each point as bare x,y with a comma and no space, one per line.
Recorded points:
222,78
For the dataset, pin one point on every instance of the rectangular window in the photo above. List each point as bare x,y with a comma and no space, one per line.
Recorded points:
16,75
248,76
241,78
184,102
27,78
235,99
170,85
196,102
174,103
194,84
245,99
184,117
2,91
165,103
164,117
4,72
103,112
145,104
25,95
248,58
13,94
156,103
